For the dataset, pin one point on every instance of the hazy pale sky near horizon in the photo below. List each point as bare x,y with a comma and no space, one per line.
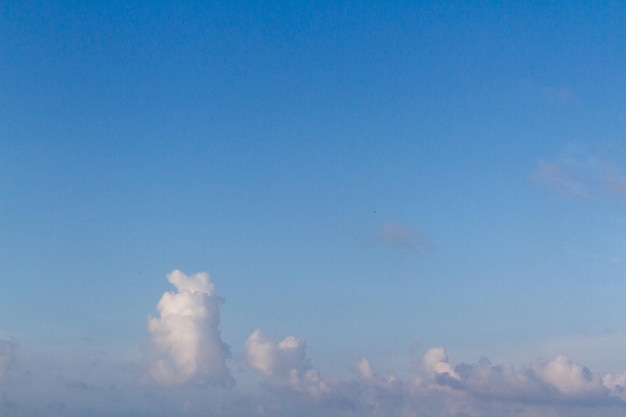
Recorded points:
383,196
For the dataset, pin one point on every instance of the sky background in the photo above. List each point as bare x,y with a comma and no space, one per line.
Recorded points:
378,180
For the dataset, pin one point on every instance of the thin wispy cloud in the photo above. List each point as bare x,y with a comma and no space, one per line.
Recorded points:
614,179
563,94
561,179
403,237
582,177
559,95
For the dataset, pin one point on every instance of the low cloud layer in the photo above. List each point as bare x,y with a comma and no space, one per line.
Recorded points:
186,338
284,367
7,356
439,387
188,345
556,381
272,358
558,387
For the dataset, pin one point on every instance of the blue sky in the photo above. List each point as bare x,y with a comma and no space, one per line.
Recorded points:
381,193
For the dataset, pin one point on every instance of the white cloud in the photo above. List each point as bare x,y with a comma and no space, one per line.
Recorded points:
571,379
380,395
188,348
436,363
186,337
441,388
558,381
285,368
364,368
276,358
616,384
557,388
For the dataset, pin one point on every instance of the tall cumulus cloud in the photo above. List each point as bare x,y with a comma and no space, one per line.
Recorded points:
186,338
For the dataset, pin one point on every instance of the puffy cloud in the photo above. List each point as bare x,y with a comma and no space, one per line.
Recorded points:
482,379
276,358
557,381
381,396
571,379
500,382
364,369
186,337
186,340
285,367
310,382
436,363
616,384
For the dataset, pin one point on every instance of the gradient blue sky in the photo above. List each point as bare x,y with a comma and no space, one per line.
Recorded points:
379,178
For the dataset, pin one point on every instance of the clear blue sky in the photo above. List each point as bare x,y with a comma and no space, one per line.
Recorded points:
379,179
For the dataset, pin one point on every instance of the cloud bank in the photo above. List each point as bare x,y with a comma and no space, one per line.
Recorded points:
186,338
187,342
559,387
285,368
